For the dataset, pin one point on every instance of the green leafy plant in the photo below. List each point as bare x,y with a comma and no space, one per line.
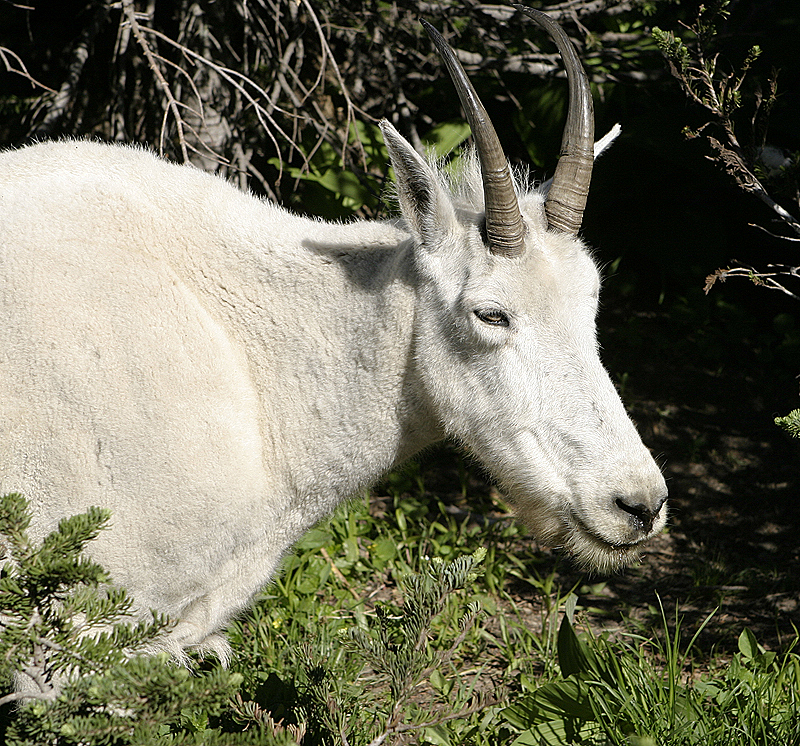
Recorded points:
353,678
639,691
421,661
397,646
57,606
335,188
755,166
360,683
71,639
790,423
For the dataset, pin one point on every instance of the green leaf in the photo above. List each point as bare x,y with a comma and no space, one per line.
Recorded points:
385,549
351,549
568,699
530,738
438,682
14,516
444,138
559,733
315,539
790,423
436,735
344,183
573,655
748,645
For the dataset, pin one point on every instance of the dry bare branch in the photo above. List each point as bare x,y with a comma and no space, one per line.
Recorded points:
226,79
763,279
172,104
14,64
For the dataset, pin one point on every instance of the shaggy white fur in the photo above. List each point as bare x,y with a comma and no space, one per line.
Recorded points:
221,373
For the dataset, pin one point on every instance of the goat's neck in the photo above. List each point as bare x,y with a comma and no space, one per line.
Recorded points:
329,338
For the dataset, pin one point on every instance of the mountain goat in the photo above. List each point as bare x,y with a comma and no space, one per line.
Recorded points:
221,373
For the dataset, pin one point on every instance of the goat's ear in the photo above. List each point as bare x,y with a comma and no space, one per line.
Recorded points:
424,204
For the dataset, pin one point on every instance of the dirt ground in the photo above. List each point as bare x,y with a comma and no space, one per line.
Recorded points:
733,540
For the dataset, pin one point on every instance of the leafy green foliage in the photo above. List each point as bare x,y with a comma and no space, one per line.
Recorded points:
72,640
397,645
352,676
57,608
736,128
638,691
314,654
395,654
790,423
315,664
672,48
336,189
700,73
443,139
141,700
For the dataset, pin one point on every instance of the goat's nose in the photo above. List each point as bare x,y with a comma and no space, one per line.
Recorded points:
642,515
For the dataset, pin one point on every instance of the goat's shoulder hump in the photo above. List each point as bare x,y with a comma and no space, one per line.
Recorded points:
68,151
75,159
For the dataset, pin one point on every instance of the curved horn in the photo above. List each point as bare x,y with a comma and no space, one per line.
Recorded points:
566,199
505,229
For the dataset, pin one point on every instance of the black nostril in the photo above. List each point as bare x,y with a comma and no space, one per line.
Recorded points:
642,517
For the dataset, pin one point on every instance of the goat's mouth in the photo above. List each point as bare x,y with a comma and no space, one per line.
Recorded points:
593,551
577,522
592,545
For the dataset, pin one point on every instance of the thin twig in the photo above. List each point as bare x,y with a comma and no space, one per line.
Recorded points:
765,279
6,53
172,104
239,81
351,108
338,573
774,235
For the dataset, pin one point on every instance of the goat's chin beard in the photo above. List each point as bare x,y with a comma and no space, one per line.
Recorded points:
586,549
598,556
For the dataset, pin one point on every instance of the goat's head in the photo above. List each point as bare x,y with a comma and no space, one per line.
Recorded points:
505,333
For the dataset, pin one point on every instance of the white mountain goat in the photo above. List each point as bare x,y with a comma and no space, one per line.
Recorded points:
221,374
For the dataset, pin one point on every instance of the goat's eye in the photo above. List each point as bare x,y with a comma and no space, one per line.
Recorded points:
493,317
